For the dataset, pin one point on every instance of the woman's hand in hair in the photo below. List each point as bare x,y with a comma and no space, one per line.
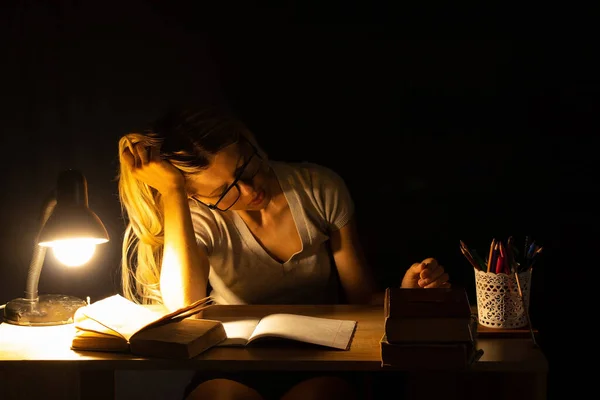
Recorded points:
145,165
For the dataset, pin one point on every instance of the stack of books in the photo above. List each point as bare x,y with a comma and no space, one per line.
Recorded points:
428,329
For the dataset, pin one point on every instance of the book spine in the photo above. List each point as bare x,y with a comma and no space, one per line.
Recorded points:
426,357
386,304
437,330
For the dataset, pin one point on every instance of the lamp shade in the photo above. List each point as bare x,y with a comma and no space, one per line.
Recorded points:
72,218
72,230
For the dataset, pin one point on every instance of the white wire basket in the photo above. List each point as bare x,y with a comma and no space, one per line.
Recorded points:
499,304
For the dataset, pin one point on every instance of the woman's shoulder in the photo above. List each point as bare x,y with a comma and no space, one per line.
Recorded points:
202,212
306,171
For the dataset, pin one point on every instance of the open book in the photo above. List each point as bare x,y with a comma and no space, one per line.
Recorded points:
334,333
118,324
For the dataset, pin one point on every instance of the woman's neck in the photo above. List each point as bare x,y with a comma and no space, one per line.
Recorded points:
276,205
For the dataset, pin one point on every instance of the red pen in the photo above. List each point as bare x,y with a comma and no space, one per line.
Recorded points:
500,264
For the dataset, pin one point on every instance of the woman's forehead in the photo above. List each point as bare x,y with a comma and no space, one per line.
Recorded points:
221,169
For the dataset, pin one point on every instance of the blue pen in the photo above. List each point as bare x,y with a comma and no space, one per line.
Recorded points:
532,249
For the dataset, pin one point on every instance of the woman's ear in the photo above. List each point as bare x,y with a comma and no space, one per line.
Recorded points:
263,154
250,137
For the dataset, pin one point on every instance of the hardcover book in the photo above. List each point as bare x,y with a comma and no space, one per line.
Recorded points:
441,315
118,324
428,356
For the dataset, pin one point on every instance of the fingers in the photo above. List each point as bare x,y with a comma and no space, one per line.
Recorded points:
142,154
128,158
426,274
431,269
432,274
441,282
138,155
417,268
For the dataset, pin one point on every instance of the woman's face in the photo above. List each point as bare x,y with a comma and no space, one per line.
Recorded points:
236,179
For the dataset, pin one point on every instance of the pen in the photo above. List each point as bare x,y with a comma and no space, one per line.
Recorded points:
499,264
510,256
504,254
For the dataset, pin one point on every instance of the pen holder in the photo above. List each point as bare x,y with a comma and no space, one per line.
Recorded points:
499,304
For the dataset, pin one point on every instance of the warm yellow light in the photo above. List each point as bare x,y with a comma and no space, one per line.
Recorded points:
74,252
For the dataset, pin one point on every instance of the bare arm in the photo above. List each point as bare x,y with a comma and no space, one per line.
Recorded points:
184,268
184,272
355,276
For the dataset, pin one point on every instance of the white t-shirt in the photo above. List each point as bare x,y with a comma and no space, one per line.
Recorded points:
242,272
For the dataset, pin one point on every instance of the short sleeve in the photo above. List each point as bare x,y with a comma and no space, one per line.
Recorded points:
332,196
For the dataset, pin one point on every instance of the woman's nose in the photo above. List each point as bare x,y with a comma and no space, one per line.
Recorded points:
246,187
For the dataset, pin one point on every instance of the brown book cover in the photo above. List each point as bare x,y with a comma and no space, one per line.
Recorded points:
178,340
427,356
183,339
438,330
428,316
118,324
435,302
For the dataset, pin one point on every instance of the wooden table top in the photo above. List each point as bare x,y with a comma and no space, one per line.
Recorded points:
25,345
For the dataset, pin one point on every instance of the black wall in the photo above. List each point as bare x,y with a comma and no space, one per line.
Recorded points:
439,140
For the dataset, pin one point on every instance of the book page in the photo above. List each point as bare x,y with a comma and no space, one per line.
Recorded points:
94,341
90,325
328,332
238,331
121,315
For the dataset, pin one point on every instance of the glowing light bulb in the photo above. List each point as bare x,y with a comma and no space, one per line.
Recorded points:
74,253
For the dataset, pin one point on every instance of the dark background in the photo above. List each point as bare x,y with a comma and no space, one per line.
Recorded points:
439,140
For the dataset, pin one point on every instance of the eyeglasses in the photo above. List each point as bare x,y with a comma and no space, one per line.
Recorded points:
232,194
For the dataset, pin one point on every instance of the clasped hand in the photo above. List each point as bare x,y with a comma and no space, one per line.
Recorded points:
426,274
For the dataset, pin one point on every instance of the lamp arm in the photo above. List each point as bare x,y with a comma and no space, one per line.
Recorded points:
39,252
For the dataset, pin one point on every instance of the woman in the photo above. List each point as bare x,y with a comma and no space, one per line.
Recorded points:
209,214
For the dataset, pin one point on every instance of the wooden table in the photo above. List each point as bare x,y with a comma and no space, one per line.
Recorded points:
34,358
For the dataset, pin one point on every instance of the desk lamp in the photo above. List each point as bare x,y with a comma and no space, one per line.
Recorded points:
72,230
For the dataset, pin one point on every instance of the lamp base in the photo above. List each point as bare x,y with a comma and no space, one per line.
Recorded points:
48,309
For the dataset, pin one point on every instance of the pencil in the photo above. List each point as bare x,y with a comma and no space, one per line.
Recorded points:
533,259
467,252
491,256
478,259
470,259
525,308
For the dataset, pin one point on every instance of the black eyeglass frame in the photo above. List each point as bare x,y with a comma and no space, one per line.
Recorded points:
235,182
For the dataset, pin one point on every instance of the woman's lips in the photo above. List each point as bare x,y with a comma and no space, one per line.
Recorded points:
258,199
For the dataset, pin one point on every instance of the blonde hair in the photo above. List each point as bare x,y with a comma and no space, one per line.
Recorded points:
187,139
